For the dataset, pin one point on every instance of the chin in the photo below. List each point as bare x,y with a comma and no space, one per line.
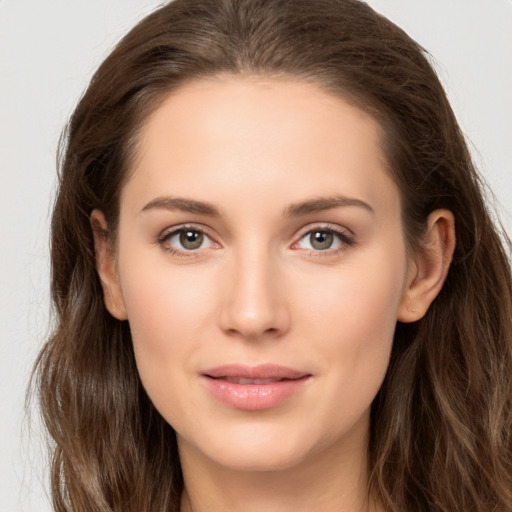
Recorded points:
256,459
255,449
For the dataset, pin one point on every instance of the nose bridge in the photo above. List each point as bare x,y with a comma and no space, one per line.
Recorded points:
254,303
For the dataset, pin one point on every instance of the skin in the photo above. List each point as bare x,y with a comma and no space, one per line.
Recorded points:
257,290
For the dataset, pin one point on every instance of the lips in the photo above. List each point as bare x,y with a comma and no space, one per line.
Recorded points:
254,387
244,382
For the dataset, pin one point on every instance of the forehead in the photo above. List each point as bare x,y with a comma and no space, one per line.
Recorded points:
262,135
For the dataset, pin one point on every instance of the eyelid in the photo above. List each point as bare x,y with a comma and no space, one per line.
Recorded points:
324,226
168,232
345,235
187,225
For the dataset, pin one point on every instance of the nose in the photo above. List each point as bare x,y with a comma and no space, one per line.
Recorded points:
254,305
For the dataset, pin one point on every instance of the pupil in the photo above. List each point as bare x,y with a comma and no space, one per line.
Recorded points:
191,239
321,240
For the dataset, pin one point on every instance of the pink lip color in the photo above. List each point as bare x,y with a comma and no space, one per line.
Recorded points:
282,383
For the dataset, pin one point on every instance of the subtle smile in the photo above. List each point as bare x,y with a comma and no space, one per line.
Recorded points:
254,388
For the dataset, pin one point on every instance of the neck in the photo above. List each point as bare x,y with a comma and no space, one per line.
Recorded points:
334,479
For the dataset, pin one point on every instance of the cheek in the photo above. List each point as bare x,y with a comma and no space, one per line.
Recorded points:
168,311
352,316
360,296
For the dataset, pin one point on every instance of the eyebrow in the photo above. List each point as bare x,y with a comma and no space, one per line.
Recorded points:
182,204
324,203
294,210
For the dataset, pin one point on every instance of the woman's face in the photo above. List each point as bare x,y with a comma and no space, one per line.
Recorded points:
262,267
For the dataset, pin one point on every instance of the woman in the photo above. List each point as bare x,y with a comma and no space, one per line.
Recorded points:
276,280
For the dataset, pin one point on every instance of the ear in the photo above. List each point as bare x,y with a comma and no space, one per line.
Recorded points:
428,267
106,267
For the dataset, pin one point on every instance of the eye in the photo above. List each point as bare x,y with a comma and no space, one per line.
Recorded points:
323,239
185,240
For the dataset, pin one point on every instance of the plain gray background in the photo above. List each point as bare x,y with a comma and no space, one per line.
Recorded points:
48,52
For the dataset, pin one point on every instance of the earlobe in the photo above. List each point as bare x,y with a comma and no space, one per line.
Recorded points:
428,271
106,267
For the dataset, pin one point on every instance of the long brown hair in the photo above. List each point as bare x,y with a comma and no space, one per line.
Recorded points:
441,430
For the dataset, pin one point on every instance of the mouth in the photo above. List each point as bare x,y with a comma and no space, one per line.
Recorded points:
245,382
263,372
254,387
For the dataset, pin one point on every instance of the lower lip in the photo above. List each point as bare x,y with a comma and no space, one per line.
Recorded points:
254,397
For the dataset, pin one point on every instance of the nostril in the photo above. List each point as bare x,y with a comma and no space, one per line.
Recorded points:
251,314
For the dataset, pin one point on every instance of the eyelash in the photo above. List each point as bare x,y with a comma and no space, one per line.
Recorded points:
164,238
345,238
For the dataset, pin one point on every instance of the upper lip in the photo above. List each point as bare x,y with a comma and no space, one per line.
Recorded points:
262,371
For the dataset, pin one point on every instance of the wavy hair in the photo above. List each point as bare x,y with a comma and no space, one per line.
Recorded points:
441,425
